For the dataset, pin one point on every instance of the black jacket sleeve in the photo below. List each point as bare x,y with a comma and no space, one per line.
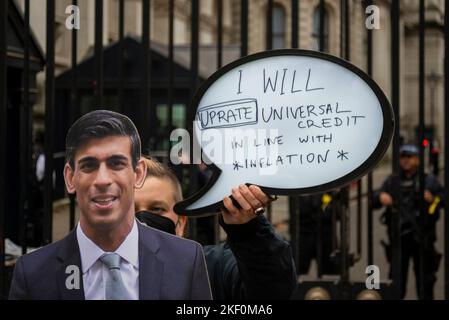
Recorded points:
388,187
254,263
435,187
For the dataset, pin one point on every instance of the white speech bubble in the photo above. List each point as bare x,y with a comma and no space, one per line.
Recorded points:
290,121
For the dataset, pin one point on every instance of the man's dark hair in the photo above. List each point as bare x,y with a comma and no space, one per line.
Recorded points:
101,124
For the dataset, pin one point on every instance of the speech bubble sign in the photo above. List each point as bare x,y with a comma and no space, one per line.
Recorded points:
290,121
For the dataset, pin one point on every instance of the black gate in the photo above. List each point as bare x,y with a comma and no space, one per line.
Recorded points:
21,60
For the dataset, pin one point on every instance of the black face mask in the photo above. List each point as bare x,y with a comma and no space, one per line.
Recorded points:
156,221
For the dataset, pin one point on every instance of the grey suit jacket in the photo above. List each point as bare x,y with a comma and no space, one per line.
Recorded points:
169,268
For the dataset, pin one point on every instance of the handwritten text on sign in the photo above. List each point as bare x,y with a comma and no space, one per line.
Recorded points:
286,122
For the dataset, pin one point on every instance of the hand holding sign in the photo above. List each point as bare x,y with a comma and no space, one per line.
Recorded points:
289,121
248,200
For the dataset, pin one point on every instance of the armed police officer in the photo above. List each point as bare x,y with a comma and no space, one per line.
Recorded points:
411,223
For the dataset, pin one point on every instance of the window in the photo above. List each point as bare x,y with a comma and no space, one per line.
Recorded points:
316,30
278,36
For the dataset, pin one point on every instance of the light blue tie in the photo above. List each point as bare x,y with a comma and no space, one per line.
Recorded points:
115,289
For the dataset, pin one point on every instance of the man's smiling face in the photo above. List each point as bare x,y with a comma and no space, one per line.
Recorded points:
104,181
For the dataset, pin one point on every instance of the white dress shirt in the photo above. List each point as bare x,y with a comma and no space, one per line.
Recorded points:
95,273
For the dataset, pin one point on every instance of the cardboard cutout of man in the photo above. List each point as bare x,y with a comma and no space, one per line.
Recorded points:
110,255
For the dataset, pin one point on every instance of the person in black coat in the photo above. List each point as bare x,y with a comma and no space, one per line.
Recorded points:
411,223
253,263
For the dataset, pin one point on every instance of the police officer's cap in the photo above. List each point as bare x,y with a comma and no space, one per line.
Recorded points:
409,150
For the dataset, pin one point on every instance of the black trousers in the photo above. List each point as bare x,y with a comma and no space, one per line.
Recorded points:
308,252
410,250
